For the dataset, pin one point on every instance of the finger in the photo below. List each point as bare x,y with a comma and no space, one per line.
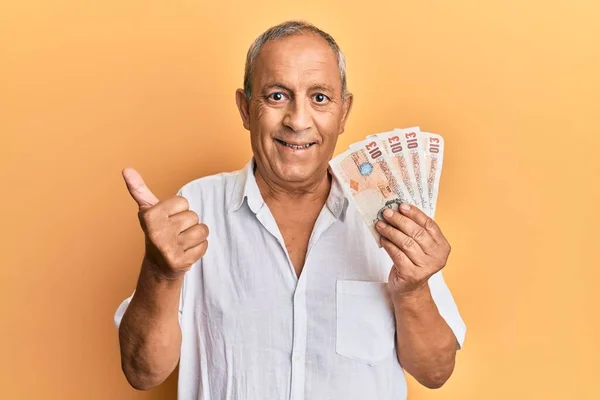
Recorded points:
423,220
172,206
411,228
400,259
184,220
402,241
195,253
137,188
193,236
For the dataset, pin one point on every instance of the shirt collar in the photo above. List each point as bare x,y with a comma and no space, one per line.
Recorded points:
336,202
245,187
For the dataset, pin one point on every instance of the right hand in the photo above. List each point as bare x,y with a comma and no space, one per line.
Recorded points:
175,239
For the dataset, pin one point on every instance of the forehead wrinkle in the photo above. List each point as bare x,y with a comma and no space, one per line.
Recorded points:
320,73
289,84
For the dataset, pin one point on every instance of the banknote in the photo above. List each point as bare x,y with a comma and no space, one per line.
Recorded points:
393,147
413,150
434,159
377,153
388,168
368,181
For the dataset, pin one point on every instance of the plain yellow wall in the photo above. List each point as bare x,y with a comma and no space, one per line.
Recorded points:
87,88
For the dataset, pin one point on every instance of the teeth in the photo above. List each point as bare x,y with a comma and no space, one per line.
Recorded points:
296,147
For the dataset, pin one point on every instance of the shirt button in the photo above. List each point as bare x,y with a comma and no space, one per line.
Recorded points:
298,358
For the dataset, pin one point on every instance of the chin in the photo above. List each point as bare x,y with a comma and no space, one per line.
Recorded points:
295,172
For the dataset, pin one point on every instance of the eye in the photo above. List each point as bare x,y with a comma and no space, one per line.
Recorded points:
277,96
321,98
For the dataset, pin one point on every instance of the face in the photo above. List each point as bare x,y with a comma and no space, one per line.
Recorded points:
296,111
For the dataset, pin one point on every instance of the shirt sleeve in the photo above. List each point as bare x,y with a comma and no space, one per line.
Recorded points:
121,310
447,306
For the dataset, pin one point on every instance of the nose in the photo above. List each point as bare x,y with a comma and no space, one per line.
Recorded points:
298,117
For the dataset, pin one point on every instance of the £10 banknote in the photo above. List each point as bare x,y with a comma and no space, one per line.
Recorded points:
389,168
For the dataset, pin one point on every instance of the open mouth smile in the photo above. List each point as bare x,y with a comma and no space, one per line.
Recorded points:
296,146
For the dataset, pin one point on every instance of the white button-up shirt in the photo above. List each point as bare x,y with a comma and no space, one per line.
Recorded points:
253,330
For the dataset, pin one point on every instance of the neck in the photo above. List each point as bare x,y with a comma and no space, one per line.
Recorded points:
314,192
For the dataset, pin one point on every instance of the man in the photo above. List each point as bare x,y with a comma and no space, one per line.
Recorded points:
293,299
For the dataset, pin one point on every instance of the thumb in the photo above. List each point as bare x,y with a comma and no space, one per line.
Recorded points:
138,189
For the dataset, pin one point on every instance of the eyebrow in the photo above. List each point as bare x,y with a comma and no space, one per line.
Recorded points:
276,85
324,88
321,87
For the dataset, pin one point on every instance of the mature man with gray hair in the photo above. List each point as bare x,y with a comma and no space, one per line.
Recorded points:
293,299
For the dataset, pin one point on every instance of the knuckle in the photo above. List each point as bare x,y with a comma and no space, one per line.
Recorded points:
198,252
408,243
205,231
430,223
171,253
418,233
401,256
399,218
387,230
194,217
183,201
150,218
397,255
188,218
402,259
151,213
198,234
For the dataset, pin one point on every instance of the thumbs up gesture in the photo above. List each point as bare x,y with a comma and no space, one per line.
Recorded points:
175,239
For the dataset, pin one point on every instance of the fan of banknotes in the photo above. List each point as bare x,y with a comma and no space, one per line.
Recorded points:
389,168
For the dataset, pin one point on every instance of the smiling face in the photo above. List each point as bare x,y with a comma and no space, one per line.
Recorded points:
296,111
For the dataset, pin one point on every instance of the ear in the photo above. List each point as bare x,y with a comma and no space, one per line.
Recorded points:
243,104
346,107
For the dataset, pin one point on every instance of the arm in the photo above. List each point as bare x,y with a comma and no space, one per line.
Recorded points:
149,333
426,345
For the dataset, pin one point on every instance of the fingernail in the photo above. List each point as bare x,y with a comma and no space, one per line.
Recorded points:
388,213
381,224
404,206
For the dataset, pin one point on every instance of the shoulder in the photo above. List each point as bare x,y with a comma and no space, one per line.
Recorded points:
217,182
211,189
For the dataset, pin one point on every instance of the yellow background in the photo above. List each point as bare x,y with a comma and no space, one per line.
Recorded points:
89,87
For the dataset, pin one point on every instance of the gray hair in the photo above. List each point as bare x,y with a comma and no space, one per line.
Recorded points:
283,30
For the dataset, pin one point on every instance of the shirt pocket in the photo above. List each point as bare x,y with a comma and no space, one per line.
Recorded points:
365,323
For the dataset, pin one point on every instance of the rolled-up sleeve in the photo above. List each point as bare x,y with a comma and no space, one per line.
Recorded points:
447,306
118,317
121,310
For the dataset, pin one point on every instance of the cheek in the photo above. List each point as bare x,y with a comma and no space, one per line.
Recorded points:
328,125
266,120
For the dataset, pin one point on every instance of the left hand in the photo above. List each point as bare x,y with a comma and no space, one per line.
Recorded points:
416,245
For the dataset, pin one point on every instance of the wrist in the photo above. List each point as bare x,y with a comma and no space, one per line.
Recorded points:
154,292
157,275
413,296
